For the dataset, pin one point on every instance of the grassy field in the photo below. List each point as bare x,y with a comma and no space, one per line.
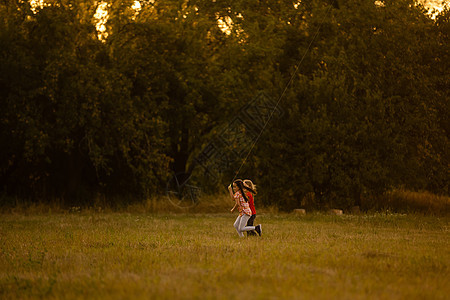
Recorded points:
92,255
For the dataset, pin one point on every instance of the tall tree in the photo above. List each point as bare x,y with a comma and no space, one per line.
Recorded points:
77,128
361,109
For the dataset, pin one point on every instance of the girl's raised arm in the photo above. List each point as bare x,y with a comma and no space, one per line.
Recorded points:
230,190
236,204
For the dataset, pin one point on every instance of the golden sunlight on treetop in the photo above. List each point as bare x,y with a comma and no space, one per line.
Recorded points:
224,23
101,15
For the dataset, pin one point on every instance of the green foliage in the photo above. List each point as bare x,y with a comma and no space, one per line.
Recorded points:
77,128
366,111
362,121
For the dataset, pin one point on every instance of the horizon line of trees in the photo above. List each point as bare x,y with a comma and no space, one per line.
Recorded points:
366,112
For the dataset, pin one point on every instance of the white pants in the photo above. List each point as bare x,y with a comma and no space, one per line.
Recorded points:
241,224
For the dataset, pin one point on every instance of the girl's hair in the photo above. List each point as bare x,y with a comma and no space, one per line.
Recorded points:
250,186
241,187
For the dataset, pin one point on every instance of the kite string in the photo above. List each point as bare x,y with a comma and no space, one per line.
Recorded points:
284,91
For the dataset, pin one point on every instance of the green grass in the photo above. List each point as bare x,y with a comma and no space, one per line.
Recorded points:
141,256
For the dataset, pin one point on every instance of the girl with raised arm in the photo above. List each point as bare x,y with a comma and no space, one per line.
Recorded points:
241,201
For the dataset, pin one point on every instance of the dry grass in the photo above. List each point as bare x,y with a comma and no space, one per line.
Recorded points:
423,202
398,201
97,255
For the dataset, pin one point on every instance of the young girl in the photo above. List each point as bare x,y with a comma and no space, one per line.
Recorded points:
250,192
245,212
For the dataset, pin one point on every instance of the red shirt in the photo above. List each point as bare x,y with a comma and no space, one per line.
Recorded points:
251,203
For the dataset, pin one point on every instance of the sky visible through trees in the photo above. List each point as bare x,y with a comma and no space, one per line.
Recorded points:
101,14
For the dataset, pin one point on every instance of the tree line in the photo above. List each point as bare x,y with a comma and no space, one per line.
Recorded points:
363,88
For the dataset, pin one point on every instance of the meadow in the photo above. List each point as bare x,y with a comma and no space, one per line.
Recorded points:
130,255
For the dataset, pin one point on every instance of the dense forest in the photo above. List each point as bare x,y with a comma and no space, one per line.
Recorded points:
330,100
